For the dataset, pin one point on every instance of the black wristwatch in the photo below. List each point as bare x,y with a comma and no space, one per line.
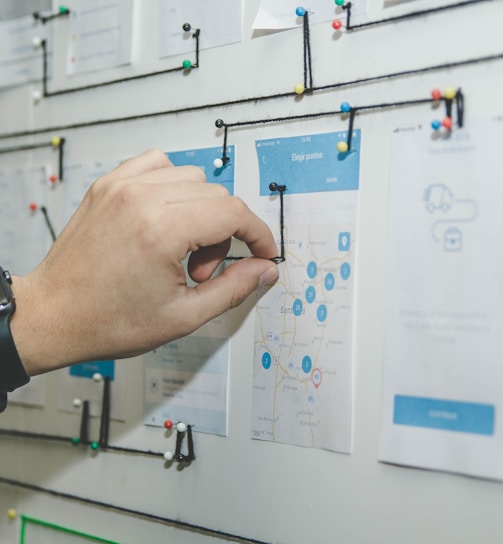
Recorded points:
12,373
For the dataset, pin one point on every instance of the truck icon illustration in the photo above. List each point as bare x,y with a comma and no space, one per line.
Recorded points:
438,197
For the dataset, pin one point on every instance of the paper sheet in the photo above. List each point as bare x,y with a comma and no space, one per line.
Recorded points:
20,62
442,376
216,29
280,14
100,34
187,380
303,325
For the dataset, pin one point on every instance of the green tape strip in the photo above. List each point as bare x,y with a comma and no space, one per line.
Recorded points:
25,520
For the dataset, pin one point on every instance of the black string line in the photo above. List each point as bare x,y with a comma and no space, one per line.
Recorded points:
189,456
281,189
45,18
179,524
347,7
84,424
256,99
105,414
43,209
48,94
308,71
59,146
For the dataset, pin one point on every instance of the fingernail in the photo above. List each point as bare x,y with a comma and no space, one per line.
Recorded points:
269,276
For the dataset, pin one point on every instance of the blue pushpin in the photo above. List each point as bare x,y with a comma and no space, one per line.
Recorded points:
345,107
436,124
300,11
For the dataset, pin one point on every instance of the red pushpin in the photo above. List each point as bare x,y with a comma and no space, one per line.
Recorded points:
53,178
436,94
168,424
337,24
447,123
33,207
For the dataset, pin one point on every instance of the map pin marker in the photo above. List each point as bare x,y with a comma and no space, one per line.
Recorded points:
316,377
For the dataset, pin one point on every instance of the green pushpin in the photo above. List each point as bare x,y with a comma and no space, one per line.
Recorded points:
75,440
63,10
186,64
340,2
94,446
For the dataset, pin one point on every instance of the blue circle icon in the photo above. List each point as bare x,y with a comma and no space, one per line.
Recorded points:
312,269
345,271
329,281
321,312
297,307
307,364
310,294
266,360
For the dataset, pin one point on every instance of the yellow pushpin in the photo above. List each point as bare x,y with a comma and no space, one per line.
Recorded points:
342,147
299,88
450,93
56,141
11,513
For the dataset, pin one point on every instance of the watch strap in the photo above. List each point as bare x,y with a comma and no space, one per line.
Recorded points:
12,372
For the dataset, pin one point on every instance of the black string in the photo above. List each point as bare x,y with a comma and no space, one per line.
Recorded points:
43,209
348,6
99,122
84,424
308,71
145,515
105,414
45,75
45,18
352,114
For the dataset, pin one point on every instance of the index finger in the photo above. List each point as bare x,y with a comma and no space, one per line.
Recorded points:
221,218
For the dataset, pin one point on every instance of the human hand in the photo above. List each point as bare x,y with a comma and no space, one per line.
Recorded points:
113,284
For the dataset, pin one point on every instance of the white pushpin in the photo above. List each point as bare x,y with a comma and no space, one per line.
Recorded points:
36,41
168,455
97,377
77,403
181,427
218,163
36,95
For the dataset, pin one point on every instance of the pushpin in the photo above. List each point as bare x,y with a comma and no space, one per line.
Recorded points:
63,10
436,124
97,377
77,403
337,24
300,11
55,141
342,147
345,107
219,123
436,94
36,95
186,27
218,163
75,441
168,424
447,123
53,178
450,93
11,513
299,88
168,455
36,41
95,446
186,64
340,2
33,206
181,427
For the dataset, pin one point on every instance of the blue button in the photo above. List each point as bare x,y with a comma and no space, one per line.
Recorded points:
448,415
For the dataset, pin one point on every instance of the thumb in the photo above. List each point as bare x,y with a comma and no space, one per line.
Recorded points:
231,287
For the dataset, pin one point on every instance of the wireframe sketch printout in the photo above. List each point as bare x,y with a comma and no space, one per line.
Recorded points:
187,379
303,324
219,22
100,34
442,394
